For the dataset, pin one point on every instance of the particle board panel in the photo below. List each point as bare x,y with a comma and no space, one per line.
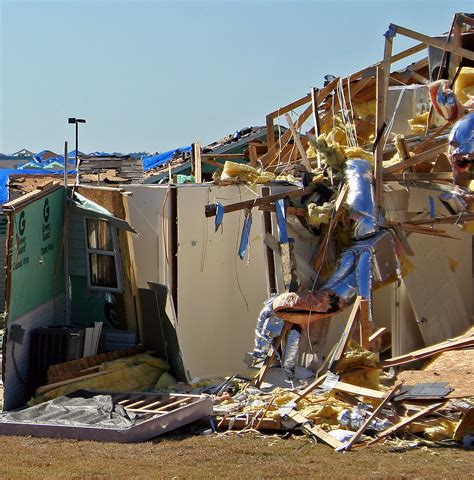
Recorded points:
433,291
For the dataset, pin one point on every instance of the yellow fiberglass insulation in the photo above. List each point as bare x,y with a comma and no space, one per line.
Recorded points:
464,85
331,153
443,431
130,374
357,152
245,173
356,357
365,110
318,214
419,123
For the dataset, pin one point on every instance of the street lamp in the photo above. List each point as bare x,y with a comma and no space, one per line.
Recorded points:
77,121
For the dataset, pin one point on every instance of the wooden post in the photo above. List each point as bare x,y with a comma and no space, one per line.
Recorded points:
317,126
196,163
267,225
270,132
364,324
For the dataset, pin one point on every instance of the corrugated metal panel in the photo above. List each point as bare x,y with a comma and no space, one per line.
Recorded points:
16,371
77,246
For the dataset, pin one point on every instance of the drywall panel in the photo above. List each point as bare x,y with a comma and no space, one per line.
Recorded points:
219,295
433,291
149,209
16,360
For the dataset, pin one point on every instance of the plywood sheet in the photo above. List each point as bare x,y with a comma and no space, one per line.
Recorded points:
433,291
455,367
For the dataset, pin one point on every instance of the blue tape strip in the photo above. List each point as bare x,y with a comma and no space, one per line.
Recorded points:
431,204
244,239
219,216
281,219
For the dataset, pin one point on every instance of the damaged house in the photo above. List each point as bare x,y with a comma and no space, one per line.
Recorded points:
349,244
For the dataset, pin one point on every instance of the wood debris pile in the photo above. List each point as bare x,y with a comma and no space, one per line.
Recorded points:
333,191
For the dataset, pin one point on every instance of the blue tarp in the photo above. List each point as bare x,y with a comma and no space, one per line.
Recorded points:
6,172
165,157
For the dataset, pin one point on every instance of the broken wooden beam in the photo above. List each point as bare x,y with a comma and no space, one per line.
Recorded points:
405,422
426,156
211,209
435,42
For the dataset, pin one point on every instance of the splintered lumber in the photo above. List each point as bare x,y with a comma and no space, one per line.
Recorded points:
406,421
371,417
341,345
210,210
463,217
309,427
377,334
291,106
379,125
432,137
413,228
435,42
272,153
426,156
320,254
364,324
360,391
424,177
319,381
456,344
271,355
299,145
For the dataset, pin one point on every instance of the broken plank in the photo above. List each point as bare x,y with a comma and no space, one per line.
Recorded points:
423,353
356,390
290,106
258,380
210,210
304,393
426,156
371,417
299,145
435,42
310,427
405,422
341,345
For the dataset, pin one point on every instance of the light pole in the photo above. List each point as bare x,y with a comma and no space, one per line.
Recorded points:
77,121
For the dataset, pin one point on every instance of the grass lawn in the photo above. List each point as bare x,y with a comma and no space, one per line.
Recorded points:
181,456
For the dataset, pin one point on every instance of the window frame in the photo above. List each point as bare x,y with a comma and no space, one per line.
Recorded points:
110,253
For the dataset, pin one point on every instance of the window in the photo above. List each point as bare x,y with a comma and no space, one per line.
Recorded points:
103,257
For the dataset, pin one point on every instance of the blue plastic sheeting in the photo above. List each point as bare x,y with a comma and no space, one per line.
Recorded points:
100,154
6,172
165,157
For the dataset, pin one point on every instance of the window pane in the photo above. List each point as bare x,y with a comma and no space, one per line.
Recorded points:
99,235
102,271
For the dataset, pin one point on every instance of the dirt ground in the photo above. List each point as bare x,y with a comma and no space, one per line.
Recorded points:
181,456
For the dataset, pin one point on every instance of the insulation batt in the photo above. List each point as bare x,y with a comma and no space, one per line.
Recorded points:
464,85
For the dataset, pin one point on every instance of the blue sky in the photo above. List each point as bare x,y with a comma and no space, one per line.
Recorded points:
154,75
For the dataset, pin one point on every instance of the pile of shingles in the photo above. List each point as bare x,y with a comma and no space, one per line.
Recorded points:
351,408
